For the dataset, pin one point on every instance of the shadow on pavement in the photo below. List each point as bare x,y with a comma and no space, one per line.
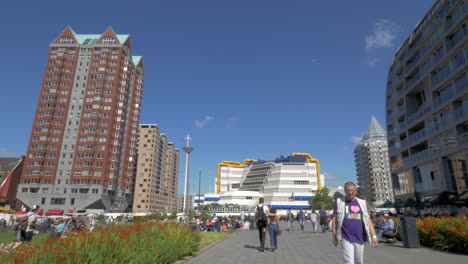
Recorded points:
255,247
392,245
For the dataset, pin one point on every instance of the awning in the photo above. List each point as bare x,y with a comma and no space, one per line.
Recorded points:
54,212
21,212
291,206
70,212
40,212
212,198
6,209
303,197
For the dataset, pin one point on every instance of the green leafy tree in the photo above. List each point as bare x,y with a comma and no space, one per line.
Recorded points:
322,199
205,213
192,214
173,216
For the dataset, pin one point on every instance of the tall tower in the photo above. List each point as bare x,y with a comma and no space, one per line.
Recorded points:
171,176
157,172
372,165
82,148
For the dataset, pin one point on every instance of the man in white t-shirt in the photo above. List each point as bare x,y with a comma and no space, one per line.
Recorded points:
313,219
261,213
27,234
216,225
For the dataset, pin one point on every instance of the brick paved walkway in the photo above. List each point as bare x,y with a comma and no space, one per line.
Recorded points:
308,247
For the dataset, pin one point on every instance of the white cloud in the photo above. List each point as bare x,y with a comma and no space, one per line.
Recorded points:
201,124
372,61
383,35
231,122
356,140
5,152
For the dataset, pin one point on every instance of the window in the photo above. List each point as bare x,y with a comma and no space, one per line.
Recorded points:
66,40
57,200
108,40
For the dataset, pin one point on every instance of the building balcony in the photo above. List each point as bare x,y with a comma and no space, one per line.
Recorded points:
444,98
461,112
422,112
461,84
421,155
409,83
413,138
463,138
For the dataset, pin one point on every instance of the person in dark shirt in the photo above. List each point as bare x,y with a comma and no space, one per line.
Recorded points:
323,219
352,226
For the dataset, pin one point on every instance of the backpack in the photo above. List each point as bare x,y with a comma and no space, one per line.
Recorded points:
261,214
23,224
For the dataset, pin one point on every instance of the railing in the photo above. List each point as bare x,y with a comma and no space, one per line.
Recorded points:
461,84
267,177
417,136
445,97
403,143
457,38
456,17
419,114
420,155
460,112
406,160
463,138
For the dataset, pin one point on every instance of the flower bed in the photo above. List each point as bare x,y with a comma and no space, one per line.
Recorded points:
138,243
445,233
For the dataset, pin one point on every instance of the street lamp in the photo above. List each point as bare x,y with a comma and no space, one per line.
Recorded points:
187,150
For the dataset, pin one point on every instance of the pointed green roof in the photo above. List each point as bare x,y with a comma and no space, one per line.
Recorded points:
136,59
88,39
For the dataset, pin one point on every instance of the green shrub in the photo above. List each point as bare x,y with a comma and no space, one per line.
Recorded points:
138,243
445,233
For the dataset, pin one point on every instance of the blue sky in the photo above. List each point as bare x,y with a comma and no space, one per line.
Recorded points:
246,78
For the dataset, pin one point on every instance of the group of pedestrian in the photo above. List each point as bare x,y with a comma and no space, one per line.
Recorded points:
351,225
221,223
316,218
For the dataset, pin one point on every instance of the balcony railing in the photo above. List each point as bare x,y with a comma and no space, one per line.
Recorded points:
445,97
417,136
461,83
461,112
456,17
419,114
420,155
463,138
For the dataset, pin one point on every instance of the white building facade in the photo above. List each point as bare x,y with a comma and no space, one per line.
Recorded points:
285,183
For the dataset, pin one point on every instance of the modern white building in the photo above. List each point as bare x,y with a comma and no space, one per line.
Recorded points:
285,183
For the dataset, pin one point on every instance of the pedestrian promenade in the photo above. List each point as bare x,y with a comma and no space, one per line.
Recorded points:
308,247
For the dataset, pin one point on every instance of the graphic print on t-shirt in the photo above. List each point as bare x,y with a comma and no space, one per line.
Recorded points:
352,212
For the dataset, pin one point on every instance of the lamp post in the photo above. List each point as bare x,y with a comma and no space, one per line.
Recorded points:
187,150
199,190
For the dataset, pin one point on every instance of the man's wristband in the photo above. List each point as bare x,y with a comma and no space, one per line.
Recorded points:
374,237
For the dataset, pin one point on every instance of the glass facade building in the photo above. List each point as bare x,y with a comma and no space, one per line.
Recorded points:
427,105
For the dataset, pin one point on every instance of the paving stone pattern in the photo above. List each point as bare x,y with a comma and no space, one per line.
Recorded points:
308,247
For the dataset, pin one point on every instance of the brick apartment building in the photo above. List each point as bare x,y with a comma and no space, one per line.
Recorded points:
83,145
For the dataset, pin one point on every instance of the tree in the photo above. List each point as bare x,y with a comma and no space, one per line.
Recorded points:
322,199
192,214
173,216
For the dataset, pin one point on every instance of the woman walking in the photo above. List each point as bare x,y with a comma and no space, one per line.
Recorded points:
273,229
